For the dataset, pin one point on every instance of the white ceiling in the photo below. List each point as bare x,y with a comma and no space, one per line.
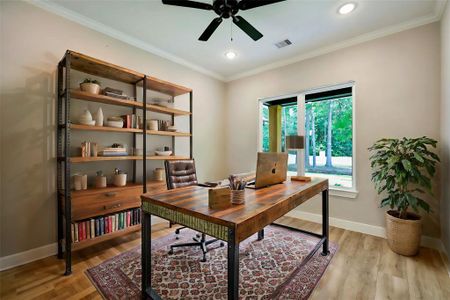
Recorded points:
312,26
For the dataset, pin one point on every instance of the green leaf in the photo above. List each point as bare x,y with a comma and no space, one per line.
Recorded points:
418,157
406,164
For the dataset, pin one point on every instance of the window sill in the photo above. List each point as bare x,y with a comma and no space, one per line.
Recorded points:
352,194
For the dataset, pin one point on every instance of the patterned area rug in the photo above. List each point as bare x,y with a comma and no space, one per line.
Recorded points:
269,269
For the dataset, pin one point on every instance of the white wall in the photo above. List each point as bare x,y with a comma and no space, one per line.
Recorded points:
32,42
397,82
445,128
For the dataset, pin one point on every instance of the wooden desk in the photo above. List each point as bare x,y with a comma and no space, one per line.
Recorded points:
189,207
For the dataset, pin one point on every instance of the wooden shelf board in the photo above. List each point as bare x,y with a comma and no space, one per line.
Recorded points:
112,188
77,94
104,99
166,87
104,128
105,237
112,158
167,110
172,157
101,68
167,133
129,130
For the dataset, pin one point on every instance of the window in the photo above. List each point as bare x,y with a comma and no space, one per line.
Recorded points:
329,136
327,124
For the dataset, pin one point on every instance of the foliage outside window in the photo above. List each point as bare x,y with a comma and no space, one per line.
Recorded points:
328,138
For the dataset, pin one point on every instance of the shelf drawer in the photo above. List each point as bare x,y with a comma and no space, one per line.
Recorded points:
103,202
96,202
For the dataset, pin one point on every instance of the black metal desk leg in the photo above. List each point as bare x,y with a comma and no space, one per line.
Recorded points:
146,238
261,235
325,222
233,266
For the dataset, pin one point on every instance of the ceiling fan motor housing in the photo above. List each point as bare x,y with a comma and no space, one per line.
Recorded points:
225,8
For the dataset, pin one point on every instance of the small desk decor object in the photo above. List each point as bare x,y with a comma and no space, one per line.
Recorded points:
301,178
237,186
219,198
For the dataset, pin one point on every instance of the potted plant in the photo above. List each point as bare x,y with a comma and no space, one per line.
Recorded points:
90,85
403,169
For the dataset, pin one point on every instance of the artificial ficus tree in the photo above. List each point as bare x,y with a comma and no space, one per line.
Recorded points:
403,169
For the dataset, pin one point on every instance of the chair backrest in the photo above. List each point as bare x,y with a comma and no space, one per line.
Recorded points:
180,173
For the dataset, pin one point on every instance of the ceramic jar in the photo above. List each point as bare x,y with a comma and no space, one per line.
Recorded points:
120,179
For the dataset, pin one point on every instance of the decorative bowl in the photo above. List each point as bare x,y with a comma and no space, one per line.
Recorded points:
163,153
115,124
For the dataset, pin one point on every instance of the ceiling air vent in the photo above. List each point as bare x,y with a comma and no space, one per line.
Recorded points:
283,43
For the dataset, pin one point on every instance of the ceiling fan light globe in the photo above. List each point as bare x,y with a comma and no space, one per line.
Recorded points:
230,55
347,8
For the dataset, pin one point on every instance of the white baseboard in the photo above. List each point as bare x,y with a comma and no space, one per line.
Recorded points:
427,241
17,259
21,258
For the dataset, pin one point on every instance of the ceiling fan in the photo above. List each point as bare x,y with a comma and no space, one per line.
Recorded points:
226,9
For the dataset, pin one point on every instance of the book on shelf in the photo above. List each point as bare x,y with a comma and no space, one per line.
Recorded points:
132,121
95,227
113,152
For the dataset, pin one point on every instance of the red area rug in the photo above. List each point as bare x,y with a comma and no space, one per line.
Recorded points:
269,269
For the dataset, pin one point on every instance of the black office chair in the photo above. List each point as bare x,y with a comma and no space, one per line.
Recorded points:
182,173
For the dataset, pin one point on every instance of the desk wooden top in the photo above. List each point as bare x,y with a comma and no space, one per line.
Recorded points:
261,208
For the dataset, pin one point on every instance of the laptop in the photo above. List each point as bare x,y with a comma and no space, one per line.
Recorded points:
271,168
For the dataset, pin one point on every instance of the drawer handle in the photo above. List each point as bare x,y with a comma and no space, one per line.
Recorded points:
110,194
112,207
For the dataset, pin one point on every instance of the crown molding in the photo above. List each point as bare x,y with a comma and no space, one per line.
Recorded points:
119,35
100,27
431,18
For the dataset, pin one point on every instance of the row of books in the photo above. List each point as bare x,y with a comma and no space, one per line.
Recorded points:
132,121
99,226
113,151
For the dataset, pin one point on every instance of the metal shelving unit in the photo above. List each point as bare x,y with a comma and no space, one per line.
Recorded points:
80,62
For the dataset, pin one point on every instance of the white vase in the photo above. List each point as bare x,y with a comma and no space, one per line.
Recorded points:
86,118
99,117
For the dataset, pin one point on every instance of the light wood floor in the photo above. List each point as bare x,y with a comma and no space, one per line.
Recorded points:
363,268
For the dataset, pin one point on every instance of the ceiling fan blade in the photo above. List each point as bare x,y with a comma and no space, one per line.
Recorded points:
187,3
210,29
248,4
247,28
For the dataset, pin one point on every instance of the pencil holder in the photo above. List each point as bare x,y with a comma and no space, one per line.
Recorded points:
237,196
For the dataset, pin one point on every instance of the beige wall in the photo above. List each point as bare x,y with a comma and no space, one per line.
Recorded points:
397,94
445,127
32,42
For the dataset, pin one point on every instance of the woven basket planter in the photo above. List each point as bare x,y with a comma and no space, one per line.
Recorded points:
403,236
92,88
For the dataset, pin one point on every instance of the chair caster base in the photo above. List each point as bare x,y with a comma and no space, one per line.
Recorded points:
222,244
325,253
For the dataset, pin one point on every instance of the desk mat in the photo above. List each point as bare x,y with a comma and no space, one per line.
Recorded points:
269,269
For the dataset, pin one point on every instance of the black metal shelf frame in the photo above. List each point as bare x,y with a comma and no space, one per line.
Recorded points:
63,132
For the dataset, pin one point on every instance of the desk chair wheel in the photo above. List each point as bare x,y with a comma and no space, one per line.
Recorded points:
222,244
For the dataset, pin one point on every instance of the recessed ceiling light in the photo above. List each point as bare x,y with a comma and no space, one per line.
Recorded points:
230,54
347,8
